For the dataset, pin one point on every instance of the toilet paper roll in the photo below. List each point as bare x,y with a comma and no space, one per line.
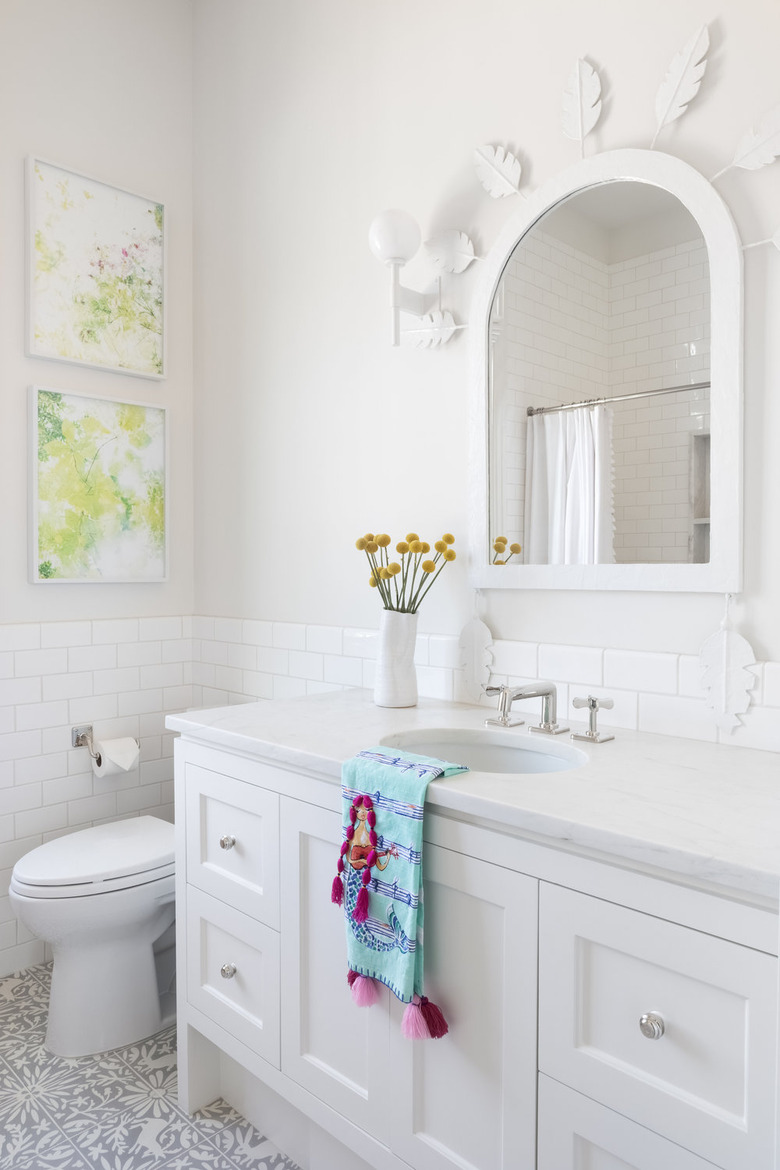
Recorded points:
115,755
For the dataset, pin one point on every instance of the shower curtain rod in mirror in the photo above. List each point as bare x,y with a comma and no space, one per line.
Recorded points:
617,398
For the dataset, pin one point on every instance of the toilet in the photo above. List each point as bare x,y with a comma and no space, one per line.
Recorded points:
101,898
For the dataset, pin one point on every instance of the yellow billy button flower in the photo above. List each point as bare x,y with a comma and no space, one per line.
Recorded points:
426,548
515,548
372,582
428,567
449,555
499,562
440,546
384,574
402,547
369,536
410,536
372,546
448,538
415,546
498,546
502,540
394,568
360,543
383,540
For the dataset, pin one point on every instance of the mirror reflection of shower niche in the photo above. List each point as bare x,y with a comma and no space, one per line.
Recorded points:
604,301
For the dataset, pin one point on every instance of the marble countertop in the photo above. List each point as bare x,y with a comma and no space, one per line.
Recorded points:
705,811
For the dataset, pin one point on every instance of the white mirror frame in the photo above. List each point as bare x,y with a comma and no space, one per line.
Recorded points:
723,572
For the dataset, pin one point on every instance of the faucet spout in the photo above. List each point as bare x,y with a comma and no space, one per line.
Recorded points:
546,691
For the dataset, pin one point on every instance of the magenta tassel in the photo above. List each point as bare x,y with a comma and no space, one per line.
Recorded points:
337,891
365,991
413,1025
351,976
360,913
434,1019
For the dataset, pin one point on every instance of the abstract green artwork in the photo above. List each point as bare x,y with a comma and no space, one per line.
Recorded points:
99,493
95,273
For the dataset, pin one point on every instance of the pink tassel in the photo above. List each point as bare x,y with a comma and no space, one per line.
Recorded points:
351,976
413,1025
434,1019
360,913
365,991
337,891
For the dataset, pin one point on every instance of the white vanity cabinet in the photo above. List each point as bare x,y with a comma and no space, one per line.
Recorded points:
468,1100
666,1025
543,959
338,1053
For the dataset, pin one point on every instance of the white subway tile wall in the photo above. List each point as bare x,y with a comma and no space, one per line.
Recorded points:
125,676
122,676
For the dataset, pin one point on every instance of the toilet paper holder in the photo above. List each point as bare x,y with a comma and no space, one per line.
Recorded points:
83,737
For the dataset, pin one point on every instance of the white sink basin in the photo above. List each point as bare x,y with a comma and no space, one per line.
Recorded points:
490,749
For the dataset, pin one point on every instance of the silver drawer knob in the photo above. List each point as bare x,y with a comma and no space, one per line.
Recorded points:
227,842
652,1025
227,970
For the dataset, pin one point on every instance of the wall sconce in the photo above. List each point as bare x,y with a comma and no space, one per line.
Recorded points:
395,238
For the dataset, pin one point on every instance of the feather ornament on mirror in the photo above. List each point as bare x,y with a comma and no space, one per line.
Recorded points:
759,147
581,103
497,170
681,83
451,250
433,329
725,660
475,659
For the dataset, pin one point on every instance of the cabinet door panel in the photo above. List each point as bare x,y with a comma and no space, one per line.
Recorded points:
332,1048
468,1100
705,1081
246,1003
246,874
577,1134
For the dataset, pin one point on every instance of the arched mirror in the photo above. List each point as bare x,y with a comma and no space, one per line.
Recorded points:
607,392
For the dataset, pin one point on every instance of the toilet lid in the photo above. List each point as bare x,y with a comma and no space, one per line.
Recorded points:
120,849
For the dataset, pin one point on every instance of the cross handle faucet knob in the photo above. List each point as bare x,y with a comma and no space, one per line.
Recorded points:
594,705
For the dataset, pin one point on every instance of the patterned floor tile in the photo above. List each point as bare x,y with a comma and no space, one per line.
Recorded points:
113,1111
249,1150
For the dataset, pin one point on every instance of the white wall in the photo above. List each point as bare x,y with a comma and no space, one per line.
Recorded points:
311,117
106,90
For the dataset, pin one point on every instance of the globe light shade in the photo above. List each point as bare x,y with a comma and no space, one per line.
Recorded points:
394,237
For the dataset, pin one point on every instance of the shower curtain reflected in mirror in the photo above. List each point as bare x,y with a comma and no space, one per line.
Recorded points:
569,510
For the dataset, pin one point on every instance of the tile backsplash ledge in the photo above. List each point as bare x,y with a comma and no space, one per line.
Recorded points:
125,675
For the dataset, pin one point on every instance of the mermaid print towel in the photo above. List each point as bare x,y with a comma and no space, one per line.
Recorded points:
380,881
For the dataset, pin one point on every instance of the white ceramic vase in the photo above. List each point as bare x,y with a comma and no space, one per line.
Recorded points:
395,684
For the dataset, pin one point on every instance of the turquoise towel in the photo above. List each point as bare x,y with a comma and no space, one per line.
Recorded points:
380,879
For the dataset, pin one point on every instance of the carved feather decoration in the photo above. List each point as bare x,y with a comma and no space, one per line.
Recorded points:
760,145
581,103
434,328
475,660
683,78
725,658
497,170
451,250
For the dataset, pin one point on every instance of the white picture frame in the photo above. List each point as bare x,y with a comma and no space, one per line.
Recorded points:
99,509
96,273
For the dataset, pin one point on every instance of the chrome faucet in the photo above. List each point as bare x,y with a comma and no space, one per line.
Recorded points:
546,691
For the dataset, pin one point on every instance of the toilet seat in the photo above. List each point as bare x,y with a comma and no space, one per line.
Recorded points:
98,860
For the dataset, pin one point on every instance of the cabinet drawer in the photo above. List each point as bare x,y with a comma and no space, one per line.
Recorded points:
233,842
246,1002
577,1134
706,1082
